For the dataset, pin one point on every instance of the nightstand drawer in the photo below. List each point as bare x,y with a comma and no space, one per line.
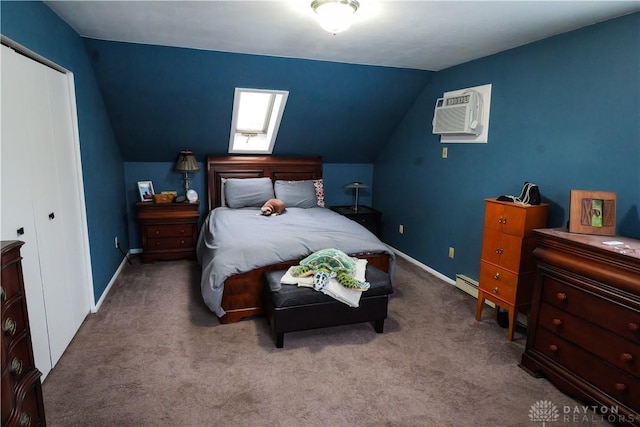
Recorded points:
170,243
169,230
155,231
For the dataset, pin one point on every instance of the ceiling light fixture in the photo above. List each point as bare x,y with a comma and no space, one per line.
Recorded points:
335,16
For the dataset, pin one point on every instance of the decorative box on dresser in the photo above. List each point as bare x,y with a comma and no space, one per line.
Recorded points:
22,403
169,230
507,266
584,324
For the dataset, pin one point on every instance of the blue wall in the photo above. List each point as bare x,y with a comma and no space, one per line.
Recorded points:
565,114
164,178
162,99
35,26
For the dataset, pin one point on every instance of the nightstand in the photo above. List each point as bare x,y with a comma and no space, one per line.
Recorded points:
169,230
366,216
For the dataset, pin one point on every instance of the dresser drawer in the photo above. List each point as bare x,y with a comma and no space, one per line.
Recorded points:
498,282
180,230
602,343
170,243
10,280
13,321
609,315
612,381
18,361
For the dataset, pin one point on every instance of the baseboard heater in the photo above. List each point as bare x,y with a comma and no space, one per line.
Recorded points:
469,286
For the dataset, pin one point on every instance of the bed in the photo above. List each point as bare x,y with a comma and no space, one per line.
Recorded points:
237,246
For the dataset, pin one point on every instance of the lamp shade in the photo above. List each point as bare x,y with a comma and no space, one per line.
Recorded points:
186,162
356,185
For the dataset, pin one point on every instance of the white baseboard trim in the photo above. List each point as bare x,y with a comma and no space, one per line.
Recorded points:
96,306
424,267
136,251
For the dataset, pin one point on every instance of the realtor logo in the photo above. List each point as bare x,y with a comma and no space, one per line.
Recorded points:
543,411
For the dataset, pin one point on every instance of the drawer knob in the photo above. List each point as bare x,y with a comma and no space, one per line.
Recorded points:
556,322
553,348
626,357
561,296
16,366
633,327
9,327
496,290
157,243
182,230
157,232
501,220
499,250
621,387
496,276
25,420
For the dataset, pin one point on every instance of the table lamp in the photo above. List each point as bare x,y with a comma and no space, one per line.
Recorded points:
356,192
186,163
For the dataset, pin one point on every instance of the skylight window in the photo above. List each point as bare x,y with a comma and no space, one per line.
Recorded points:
256,119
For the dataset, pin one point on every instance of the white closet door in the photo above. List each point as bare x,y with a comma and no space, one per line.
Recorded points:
41,134
71,206
49,217
17,208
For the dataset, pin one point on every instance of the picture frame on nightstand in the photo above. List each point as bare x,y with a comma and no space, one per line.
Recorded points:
145,188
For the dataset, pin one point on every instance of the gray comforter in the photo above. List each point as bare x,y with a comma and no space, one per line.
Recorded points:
235,241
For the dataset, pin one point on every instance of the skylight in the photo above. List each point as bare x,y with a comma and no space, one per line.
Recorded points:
256,119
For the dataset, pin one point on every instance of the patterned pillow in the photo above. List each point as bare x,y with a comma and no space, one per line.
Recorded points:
319,186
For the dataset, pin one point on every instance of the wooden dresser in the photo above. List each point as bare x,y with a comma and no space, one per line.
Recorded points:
584,324
22,403
169,230
507,266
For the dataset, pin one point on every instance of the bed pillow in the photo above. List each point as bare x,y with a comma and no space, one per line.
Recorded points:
297,194
247,192
319,185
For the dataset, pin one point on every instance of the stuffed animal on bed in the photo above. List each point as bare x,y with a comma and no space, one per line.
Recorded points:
272,207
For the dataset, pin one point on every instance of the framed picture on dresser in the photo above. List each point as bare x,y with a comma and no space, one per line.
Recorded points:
593,212
145,188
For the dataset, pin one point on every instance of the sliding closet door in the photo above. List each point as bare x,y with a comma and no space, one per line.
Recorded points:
42,131
18,222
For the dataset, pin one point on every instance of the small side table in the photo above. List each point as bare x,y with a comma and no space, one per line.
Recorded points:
366,216
169,230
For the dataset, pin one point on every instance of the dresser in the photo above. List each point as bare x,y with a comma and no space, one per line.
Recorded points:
584,323
368,217
507,266
169,230
22,403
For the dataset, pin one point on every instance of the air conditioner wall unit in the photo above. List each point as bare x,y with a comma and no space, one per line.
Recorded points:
458,115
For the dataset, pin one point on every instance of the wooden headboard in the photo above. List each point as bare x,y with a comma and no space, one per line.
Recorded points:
285,168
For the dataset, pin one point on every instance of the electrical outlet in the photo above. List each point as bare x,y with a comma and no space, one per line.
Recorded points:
445,152
401,229
115,241
452,252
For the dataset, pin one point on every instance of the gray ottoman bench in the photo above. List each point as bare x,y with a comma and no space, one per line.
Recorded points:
291,308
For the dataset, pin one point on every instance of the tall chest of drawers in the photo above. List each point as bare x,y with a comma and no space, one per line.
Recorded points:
584,325
507,266
169,230
22,403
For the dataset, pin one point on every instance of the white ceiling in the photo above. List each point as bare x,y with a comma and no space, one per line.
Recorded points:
426,35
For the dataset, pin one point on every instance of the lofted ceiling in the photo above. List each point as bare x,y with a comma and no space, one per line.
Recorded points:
424,35
167,70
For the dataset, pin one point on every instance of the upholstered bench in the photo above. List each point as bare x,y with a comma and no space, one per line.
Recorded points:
291,308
